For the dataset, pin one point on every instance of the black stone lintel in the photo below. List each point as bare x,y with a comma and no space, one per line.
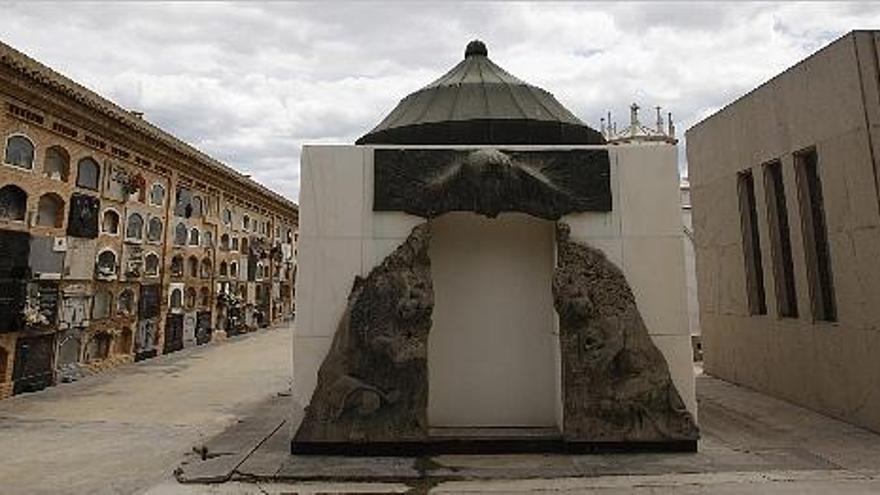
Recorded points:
466,446
544,183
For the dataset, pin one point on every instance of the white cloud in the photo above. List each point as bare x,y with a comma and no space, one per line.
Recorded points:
249,83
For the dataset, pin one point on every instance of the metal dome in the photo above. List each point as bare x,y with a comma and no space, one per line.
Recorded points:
478,102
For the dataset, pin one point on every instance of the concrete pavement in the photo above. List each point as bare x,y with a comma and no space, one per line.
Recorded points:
127,429
750,443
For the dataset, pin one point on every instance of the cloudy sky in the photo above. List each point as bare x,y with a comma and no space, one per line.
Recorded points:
249,83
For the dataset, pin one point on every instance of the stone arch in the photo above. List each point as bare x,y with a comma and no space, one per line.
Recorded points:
177,266
192,266
88,174
180,234
157,195
106,265
190,298
205,268
198,206
134,227
151,265
125,302
50,211
154,229
56,164
616,385
110,222
205,297
19,151
13,203
176,299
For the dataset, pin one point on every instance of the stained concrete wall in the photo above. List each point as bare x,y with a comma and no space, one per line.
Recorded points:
341,237
829,101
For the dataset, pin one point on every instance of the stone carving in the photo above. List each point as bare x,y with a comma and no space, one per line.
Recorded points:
546,184
372,386
616,383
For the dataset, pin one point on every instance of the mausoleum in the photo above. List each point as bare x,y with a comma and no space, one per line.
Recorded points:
484,272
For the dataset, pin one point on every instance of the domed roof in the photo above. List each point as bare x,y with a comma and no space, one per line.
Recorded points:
478,102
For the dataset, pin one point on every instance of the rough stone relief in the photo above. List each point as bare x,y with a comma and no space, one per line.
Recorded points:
545,184
616,383
372,386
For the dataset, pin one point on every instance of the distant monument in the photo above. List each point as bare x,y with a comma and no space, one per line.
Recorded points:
491,275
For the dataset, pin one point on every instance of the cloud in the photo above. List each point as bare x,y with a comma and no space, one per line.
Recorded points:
250,83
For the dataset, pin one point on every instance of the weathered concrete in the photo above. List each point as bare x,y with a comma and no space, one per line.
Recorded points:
125,430
827,102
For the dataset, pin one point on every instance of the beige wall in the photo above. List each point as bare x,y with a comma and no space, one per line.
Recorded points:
830,367
492,344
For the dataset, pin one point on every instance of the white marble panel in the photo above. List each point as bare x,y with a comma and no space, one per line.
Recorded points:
327,270
376,250
648,182
612,247
593,224
654,268
492,280
332,194
308,354
680,358
390,224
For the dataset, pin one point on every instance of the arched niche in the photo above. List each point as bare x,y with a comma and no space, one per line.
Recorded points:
13,203
50,211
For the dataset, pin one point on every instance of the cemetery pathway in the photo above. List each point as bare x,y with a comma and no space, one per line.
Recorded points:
126,429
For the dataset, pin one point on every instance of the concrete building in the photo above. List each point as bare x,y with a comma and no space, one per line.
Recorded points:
786,217
117,240
455,286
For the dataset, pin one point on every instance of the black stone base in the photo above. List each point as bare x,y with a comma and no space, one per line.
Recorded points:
476,446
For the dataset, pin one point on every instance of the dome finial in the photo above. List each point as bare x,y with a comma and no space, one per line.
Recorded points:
476,48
